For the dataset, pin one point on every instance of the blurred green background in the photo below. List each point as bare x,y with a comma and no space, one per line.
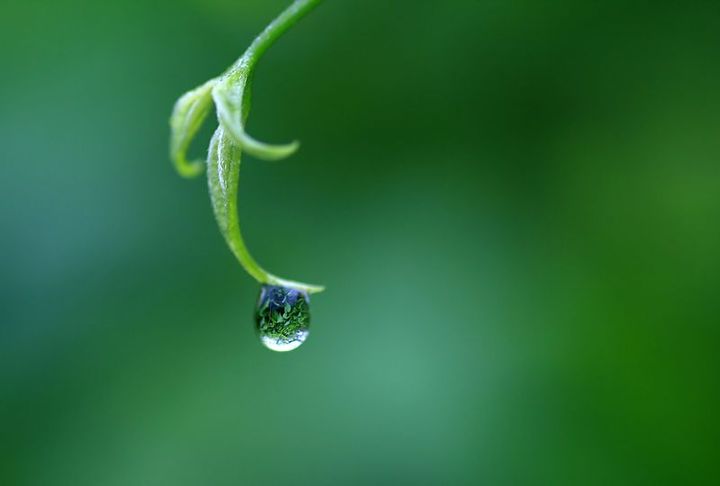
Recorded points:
515,207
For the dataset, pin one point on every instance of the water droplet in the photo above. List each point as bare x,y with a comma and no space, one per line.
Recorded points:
282,317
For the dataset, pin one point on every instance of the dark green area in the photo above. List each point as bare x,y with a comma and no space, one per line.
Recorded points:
514,205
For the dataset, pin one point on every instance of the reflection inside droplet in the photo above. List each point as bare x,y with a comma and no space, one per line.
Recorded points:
282,317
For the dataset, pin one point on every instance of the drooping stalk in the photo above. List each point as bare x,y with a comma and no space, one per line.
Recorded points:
231,94
223,177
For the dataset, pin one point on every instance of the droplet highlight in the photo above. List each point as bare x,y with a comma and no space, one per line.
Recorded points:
282,317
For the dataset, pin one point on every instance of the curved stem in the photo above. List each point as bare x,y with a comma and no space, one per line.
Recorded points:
231,95
275,29
223,174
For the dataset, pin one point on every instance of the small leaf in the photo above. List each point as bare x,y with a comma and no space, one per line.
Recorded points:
232,96
223,171
187,117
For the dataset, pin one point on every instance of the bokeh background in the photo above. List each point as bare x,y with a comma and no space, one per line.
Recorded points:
515,207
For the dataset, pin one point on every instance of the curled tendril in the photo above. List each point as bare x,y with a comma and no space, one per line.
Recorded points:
231,94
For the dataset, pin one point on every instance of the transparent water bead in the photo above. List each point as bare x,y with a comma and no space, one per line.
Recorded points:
282,317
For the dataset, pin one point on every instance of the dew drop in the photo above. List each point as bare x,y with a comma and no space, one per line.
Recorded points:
282,317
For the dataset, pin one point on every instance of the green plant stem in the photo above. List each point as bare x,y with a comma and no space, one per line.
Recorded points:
223,178
297,10
231,95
